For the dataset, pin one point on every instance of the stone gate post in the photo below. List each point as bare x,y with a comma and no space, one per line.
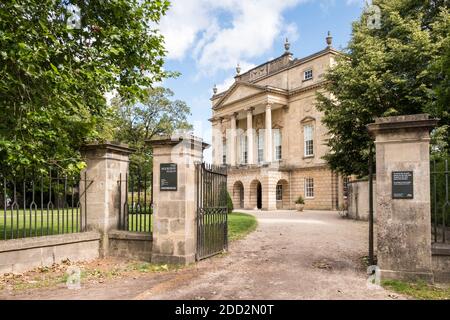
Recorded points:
403,196
174,198
105,162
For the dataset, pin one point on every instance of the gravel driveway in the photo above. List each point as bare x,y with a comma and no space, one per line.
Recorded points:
291,255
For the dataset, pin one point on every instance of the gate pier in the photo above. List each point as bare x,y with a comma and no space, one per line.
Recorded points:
174,198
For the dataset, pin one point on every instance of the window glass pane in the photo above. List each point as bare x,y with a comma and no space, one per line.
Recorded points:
309,188
224,152
260,146
309,140
279,192
277,143
243,146
308,75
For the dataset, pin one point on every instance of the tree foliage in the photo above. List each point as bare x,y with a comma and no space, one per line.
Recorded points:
154,115
53,75
400,68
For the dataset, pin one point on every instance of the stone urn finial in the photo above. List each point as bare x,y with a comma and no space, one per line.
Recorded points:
238,69
215,89
329,39
287,45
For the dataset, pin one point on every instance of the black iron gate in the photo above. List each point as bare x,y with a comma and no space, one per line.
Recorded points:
212,214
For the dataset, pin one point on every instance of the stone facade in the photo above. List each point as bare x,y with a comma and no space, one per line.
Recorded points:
270,112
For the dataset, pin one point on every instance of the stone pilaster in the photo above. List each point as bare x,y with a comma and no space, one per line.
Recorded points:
105,162
403,225
174,215
217,141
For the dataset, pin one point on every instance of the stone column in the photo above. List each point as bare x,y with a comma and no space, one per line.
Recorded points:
269,201
232,139
403,217
250,158
268,138
105,162
217,141
174,215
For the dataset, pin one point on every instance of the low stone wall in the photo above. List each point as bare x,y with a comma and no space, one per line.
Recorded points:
441,262
20,255
130,245
358,200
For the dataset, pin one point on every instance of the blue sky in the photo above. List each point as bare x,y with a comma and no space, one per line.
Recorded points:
206,39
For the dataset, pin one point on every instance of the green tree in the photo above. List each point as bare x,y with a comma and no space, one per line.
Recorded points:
156,114
393,70
54,75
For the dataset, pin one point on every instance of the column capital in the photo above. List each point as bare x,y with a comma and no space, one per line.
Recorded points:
250,109
269,105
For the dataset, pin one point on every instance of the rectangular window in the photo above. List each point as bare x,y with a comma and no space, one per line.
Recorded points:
308,75
279,192
243,149
309,188
277,144
260,146
308,131
224,152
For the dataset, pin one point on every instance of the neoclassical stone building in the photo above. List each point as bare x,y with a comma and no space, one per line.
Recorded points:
267,129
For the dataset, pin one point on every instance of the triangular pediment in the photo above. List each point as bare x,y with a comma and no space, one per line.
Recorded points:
239,90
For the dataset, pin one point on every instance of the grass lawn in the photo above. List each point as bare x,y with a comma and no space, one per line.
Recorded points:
20,223
418,290
240,225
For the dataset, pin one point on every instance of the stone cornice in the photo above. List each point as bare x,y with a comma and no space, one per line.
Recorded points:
108,146
406,122
170,141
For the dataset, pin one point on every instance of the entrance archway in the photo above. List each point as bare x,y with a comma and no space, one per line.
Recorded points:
238,195
256,194
259,196
282,194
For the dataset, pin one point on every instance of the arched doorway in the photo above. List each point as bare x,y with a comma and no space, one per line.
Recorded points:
282,194
255,194
238,195
259,196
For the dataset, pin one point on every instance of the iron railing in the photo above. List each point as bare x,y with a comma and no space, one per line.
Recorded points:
440,201
136,197
41,205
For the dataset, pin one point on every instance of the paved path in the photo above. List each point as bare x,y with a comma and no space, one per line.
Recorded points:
291,255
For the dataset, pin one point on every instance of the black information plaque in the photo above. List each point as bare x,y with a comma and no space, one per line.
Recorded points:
168,178
402,185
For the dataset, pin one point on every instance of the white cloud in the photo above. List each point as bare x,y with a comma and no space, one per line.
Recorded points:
182,24
218,34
